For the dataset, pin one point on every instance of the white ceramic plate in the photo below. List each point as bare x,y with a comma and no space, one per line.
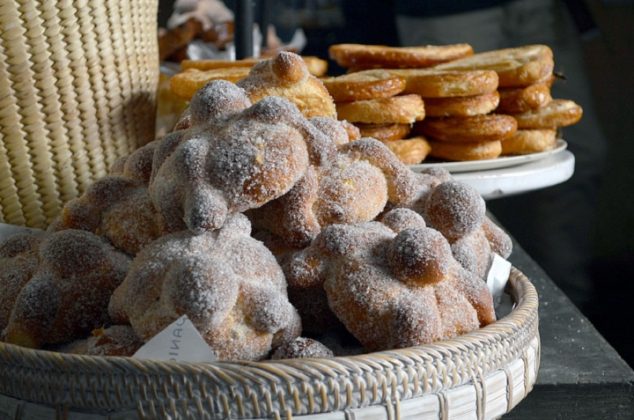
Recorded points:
501,162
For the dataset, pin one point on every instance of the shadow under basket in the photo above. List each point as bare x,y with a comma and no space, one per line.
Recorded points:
482,375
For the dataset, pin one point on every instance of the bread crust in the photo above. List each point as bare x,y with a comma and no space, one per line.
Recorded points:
465,151
558,113
462,106
433,83
524,142
515,66
377,56
479,128
368,84
404,109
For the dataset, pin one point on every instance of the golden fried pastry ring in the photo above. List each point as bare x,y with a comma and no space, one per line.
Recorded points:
433,83
368,84
186,83
479,128
410,151
384,132
515,66
524,142
404,109
462,106
523,99
558,113
465,151
376,56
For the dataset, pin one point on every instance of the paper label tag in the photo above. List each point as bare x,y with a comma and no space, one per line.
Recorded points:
180,341
497,278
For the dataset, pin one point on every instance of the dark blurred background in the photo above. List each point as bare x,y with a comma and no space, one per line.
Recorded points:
580,232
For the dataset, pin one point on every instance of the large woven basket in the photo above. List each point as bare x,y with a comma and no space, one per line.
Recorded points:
480,375
77,87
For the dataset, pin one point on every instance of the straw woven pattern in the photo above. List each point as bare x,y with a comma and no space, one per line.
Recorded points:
77,87
486,373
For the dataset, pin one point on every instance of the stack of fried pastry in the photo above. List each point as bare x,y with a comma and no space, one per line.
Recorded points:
459,123
372,101
525,77
353,237
378,101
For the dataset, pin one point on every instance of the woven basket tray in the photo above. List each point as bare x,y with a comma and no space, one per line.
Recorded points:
483,374
78,81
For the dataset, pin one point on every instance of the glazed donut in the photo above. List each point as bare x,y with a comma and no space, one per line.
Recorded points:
515,67
523,99
381,56
410,151
403,109
433,83
384,132
462,106
479,128
368,84
529,141
558,113
465,151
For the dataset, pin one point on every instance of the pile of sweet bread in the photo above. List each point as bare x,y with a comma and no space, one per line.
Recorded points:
269,223
444,102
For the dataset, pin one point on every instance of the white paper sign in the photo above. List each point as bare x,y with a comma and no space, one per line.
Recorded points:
180,341
497,278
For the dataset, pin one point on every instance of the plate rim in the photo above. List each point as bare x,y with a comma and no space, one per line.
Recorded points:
496,163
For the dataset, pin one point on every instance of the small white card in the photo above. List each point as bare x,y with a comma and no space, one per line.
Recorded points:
497,278
180,341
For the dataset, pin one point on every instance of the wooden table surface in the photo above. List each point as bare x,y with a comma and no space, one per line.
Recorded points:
581,376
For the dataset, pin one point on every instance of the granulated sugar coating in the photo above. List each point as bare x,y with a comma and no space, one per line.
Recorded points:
287,76
392,290
455,209
118,208
227,283
234,160
302,348
56,289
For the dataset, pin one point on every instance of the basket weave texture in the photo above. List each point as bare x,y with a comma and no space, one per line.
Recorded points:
78,80
483,374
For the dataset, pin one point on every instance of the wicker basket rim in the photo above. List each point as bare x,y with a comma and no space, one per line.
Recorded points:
519,286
